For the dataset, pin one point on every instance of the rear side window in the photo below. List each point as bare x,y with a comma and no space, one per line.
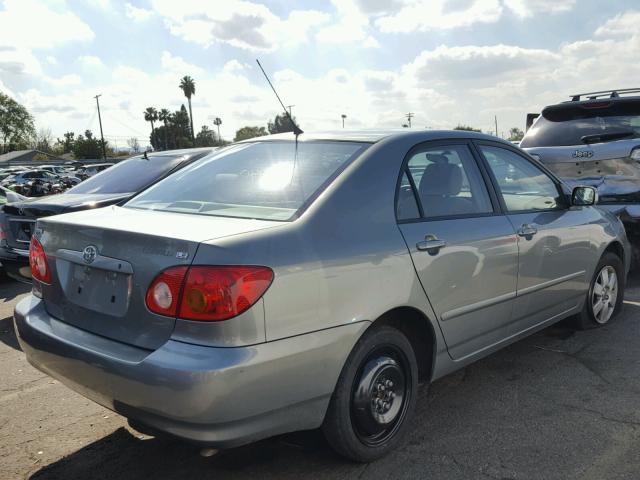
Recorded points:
567,124
128,176
448,182
262,180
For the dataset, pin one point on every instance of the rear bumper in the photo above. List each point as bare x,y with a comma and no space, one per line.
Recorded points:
221,397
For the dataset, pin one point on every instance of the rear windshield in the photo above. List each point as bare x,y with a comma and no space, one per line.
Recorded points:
262,180
567,124
128,176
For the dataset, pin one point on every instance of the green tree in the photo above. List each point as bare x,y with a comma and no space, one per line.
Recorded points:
467,128
249,132
164,115
206,138
66,145
16,124
88,146
151,115
515,134
188,86
175,131
280,124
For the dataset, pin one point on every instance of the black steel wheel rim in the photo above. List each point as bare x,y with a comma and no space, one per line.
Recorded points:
380,395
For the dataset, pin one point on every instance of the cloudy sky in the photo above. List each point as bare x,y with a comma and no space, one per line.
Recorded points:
447,61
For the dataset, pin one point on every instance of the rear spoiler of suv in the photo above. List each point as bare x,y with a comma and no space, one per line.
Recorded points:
531,117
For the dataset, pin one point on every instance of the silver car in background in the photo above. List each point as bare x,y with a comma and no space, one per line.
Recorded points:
287,283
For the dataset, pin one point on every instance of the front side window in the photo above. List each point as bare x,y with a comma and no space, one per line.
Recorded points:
261,180
449,182
523,185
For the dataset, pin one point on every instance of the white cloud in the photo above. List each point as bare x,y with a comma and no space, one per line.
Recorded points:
235,66
18,62
137,14
438,14
64,81
474,63
51,60
90,61
529,8
352,26
622,24
178,65
239,23
31,24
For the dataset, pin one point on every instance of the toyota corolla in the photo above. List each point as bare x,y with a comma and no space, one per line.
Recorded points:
288,283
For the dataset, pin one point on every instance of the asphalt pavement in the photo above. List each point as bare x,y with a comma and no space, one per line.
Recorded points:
557,405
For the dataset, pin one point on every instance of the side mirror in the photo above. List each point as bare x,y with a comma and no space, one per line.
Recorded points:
582,196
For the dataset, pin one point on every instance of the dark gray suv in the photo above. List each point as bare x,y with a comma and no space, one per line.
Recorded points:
594,139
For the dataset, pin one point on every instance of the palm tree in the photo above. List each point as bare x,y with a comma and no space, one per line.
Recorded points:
163,116
188,86
151,115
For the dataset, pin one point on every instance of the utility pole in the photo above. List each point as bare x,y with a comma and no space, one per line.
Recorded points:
496,119
290,107
343,117
409,117
104,151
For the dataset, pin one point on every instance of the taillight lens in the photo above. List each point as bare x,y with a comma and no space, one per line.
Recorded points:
38,262
163,296
208,293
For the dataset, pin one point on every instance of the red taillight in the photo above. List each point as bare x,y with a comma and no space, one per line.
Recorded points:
38,262
163,296
208,293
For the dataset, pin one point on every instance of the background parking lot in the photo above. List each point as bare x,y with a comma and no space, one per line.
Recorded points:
559,404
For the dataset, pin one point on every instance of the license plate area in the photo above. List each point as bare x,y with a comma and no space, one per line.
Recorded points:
104,291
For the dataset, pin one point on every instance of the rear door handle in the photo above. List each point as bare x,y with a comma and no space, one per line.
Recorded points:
431,244
527,230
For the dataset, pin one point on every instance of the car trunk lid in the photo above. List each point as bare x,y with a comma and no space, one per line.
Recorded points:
104,261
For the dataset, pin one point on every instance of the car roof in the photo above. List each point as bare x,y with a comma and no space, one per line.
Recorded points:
374,136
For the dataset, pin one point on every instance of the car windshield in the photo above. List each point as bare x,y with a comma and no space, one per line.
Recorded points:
128,176
261,180
568,125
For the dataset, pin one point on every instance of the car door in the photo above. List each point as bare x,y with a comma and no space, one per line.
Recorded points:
553,238
464,250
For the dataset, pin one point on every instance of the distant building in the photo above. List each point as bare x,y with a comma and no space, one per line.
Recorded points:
26,156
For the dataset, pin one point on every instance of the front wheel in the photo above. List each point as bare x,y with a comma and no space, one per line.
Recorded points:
374,397
605,295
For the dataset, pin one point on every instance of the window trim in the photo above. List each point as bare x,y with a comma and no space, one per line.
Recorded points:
526,157
486,180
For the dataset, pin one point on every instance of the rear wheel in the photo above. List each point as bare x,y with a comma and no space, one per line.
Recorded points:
605,295
374,397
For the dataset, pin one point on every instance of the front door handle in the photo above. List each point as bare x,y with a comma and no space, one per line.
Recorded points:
527,230
431,244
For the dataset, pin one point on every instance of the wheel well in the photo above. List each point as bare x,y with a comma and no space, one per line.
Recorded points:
419,331
616,248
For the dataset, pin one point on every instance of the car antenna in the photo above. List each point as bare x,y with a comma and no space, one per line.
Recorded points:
296,129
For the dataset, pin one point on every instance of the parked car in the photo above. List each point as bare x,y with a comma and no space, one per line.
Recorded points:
20,178
91,170
594,139
282,284
109,187
55,169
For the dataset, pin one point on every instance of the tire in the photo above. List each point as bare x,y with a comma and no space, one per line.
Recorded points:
600,308
375,396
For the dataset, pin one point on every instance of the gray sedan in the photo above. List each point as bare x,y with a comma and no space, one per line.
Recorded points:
283,284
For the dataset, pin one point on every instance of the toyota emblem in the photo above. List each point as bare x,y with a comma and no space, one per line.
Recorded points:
89,254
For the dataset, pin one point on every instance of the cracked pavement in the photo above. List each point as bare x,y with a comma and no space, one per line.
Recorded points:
557,405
